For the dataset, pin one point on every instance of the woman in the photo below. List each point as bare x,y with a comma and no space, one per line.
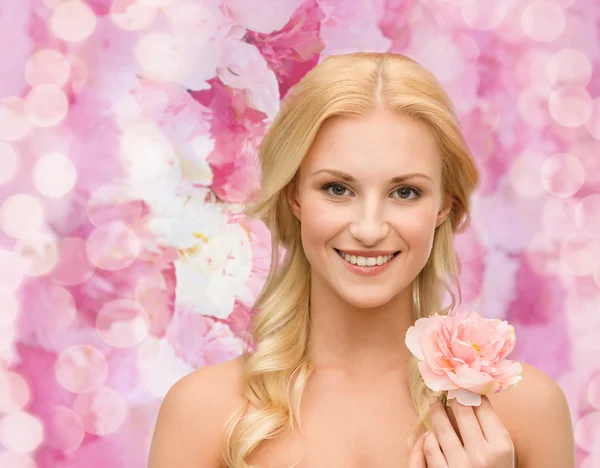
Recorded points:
366,177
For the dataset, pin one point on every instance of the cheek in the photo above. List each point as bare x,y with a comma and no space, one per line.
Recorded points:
319,219
416,227
314,226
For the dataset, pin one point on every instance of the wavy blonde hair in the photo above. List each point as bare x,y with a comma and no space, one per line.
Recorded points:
277,370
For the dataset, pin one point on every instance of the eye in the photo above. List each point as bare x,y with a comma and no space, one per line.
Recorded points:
338,189
406,190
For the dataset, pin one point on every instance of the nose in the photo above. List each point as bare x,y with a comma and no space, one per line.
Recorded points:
369,226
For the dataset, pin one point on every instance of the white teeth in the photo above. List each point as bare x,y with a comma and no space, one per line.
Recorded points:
365,261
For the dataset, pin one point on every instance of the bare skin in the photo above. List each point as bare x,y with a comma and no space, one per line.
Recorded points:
356,409
348,424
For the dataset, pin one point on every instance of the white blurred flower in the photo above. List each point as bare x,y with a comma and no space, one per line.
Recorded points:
193,160
264,16
169,58
158,172
194,22
190,229
159,367
211,276
160,193
244,67
146,150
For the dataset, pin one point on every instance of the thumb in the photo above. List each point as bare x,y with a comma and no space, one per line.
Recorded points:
417,457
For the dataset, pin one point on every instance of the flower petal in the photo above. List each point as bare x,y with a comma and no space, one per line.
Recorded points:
465,397
435,382
414,336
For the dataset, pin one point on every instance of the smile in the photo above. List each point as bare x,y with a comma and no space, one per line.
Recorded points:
366,261
367,265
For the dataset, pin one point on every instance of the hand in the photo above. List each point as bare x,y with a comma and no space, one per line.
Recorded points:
477,440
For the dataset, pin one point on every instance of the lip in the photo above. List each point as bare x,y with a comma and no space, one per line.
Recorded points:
366,270
369,253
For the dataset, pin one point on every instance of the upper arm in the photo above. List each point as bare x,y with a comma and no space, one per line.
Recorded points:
540,421
188,429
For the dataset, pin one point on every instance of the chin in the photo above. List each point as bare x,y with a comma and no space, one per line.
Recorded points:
366,301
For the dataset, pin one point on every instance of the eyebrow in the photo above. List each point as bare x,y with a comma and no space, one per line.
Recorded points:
348,178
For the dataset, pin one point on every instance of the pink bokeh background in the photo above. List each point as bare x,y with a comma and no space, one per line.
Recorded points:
128,131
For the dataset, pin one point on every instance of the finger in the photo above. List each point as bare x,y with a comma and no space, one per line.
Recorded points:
433,452
417,457
491,425
452,420
446,435
468,425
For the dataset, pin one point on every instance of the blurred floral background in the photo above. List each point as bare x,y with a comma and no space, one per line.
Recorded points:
128,135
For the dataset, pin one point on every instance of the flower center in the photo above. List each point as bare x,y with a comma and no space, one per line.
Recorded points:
199,235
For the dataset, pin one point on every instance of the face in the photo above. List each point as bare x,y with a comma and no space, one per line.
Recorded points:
370,184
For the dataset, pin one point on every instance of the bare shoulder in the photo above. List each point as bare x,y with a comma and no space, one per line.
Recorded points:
537,415
190,422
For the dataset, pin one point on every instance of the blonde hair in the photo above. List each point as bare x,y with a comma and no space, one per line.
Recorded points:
276,372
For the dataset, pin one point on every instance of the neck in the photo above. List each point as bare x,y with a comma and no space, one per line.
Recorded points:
360,342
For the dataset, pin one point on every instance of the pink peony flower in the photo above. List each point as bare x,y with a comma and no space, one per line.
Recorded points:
462,354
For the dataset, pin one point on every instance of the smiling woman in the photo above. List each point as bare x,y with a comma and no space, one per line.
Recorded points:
366,178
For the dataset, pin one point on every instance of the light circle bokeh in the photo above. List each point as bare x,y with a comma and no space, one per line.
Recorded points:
579,254
21,216
484,16
569,67
47,67
62,312
9,162
524,175
17,460
14,125
65,429
132,15
81,369
562,175
46,106
11,271
122,323
15,393
570,106
39,254
593,124
73,21
54,175
21,432
593,391
113,246
587,215
587,432
543,20
102,412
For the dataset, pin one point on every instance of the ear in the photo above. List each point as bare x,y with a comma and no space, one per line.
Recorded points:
444,212
291,193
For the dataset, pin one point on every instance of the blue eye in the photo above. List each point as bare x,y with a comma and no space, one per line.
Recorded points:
339,191
338,186
410,189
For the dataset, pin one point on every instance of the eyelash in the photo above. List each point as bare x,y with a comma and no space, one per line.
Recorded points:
326,188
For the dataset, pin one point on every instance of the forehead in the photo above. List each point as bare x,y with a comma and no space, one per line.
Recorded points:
375,144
